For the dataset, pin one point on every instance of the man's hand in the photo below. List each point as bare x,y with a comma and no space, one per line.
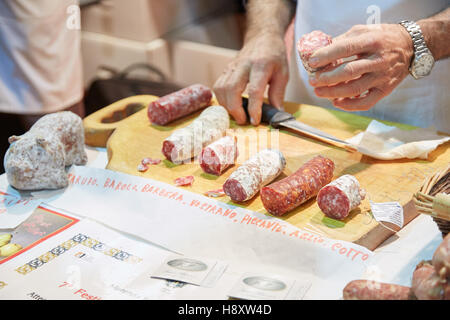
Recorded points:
261,62
383,55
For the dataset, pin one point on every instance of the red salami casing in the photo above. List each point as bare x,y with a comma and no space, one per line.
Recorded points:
282,196
179,104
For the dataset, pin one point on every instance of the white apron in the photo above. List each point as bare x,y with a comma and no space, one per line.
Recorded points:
424,102
40,58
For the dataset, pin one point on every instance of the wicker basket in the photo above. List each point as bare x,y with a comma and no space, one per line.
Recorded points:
433,198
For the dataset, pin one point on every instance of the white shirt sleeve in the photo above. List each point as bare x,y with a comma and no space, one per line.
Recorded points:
40,57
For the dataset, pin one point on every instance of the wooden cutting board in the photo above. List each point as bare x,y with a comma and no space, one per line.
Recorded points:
129,137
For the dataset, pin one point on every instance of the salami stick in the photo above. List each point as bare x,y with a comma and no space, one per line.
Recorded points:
253,174
219,155
340,196
282,196
179,104
374,290
187,142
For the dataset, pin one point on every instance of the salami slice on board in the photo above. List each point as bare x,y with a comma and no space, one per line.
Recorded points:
184,181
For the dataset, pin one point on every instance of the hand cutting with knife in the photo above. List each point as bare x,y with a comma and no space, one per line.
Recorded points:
383,56
261,62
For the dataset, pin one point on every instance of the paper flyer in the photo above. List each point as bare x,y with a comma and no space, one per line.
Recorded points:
191,224
14,210
86,261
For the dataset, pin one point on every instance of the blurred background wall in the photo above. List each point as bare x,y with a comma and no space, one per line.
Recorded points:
190,41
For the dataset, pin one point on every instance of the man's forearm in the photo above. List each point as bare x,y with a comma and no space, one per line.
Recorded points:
268,16
436,31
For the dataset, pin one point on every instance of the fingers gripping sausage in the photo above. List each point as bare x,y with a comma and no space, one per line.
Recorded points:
374,290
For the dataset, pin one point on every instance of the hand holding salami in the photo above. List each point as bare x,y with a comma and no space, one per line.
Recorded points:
308,44
383,54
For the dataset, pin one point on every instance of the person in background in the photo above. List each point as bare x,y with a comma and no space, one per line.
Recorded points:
385,58
40,63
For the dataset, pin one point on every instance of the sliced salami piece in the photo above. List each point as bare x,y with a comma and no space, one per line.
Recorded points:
253,174
186,143
179,104
374,290
184,181
309,43
340,197
285,195
219,155
215,193
142,167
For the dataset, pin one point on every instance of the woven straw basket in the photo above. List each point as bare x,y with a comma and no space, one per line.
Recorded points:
433,198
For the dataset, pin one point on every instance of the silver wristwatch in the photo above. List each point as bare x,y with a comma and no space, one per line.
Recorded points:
422,61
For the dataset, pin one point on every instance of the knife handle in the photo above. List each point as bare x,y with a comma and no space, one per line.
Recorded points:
269,114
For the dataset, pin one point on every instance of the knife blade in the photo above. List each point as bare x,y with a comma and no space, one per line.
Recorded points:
277,118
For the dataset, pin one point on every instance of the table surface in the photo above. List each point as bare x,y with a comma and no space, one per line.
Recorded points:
393,261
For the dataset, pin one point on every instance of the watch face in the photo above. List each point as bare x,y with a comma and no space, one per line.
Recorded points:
423,65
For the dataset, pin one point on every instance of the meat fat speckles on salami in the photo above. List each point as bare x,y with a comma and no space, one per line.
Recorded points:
179,104
340,197
308,44
253,174
219,155
285,195
186,143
